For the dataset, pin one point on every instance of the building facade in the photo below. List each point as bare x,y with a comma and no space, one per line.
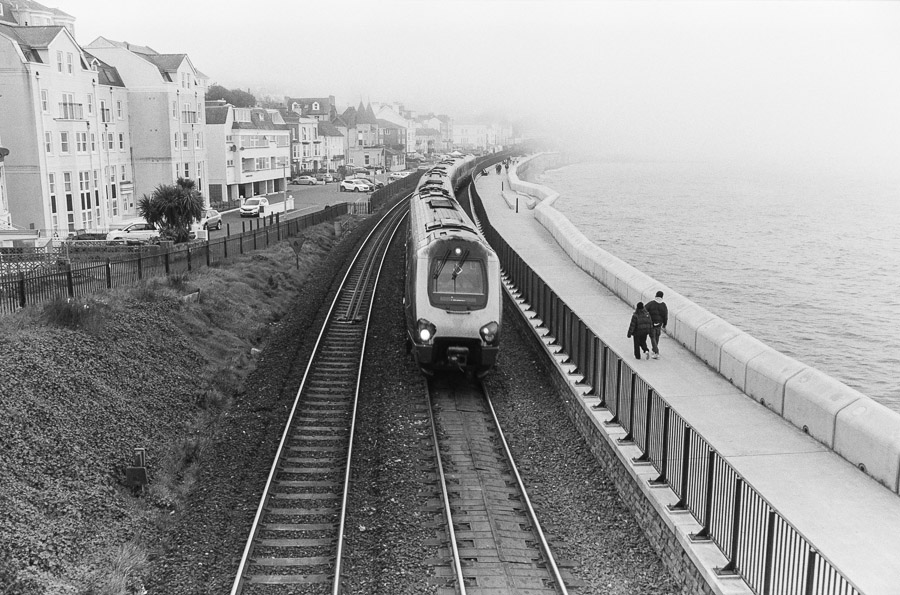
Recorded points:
65,117
249,152
166,95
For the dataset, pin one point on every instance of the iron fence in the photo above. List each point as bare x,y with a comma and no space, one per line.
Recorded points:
760,545
65,278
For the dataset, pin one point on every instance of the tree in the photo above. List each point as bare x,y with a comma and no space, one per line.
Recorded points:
173,208
235,97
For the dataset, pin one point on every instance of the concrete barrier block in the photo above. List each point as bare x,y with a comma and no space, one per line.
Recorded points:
683,325
638,285
767,373
736,352
812,401
711,337
868,435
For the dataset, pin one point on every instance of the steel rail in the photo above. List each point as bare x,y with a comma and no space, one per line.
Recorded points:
551,561
445,496
395,223
254,529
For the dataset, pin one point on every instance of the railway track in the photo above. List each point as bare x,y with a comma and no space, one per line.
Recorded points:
296,540
494,538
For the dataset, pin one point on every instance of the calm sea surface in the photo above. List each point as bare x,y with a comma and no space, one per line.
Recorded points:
809,265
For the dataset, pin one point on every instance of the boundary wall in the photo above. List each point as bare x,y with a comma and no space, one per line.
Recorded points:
862,431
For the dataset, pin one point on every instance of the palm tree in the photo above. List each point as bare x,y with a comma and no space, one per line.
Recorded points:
173,208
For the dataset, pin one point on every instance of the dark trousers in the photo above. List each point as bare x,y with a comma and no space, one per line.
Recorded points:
654,338
640,343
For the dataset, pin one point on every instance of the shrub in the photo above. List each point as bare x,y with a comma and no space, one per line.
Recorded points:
73,313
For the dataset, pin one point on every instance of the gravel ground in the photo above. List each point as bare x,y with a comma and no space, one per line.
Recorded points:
73,422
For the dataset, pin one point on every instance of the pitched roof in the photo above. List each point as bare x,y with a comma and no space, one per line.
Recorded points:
32,37
165,62
388,124
326,128
37,6
7,16
289,116
260,119
106,74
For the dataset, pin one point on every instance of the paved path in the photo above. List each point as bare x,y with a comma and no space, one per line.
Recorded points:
850,518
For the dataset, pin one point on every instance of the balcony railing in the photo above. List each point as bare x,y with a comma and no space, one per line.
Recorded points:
188,117
71,111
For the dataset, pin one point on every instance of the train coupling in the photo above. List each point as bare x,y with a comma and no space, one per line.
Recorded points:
458,356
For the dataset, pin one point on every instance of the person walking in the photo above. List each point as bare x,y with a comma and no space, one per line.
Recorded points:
659,314
640,327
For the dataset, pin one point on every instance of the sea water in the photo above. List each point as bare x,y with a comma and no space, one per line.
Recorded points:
808,264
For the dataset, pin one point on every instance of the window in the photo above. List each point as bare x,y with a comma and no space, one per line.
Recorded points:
184,140
93,143
81,142
110,141
262,163
69,62
199,140
63,142
70,209
315,106
174,109
84,193
457,283
123,172
97,192
90,103
187,170
45,101
121,141
104,113
48,142
59,61
51,184
119,112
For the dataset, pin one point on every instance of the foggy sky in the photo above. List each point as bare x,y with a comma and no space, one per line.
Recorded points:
806,82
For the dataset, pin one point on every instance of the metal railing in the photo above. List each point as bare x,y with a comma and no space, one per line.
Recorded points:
77,279
760,545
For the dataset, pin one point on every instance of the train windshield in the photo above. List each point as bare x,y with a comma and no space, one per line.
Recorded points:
458,283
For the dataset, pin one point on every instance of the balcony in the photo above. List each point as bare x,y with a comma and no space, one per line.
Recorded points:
188,117
71,111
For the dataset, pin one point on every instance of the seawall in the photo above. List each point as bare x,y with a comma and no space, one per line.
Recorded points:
860,430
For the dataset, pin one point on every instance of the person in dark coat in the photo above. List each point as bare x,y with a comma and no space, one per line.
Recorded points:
659,313
640,327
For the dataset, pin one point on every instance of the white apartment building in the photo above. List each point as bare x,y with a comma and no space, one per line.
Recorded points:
308,149
166,94
64,116
333,144
249,150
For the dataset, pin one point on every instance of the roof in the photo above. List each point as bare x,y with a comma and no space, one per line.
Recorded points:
106,74
388,124
165,62
37,6
260,119
7,16
32,37
326,128
216,114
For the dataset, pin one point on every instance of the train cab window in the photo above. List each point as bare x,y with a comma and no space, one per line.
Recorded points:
458,284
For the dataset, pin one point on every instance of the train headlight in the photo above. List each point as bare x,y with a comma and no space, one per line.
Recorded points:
490,333
426,330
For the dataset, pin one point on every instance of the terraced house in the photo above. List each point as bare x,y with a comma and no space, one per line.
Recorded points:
166,96
65,120
249,152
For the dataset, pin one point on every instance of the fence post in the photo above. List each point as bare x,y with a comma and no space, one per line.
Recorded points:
703,533
681,505
108,274
189,258
731,567
614,421
770,551
645,456
662,480
166,260
140,267
278,226
628,438
21,289
225,246
810,572
70,283
601,380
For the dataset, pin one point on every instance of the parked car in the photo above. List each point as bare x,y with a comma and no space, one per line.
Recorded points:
355,185
398,175
373,182
254,207
139,231
211,219
324,178
304,180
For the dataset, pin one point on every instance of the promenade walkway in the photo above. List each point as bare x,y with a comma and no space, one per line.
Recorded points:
846,515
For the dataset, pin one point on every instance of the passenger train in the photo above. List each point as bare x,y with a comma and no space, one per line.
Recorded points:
452,300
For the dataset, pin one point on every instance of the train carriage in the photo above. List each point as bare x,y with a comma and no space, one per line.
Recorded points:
452,299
